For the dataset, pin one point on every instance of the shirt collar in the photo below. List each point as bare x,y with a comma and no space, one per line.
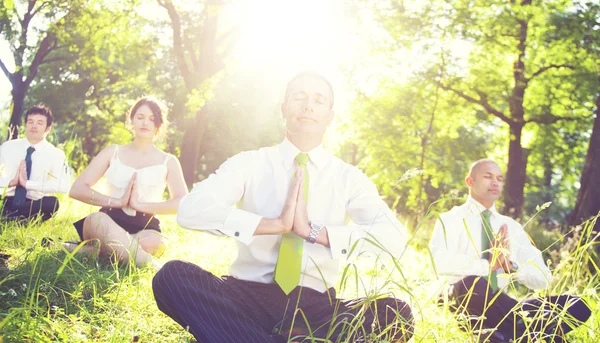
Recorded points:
476,207
38,145
318,156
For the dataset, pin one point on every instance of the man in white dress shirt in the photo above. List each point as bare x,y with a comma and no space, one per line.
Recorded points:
32,169
480,252
291,226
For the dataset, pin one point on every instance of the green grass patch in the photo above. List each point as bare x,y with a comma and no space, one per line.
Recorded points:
47,295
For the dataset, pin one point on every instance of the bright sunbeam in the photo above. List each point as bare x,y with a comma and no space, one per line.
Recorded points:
283,37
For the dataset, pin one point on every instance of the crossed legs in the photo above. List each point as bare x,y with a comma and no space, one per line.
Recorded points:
549,317
227,309
115,241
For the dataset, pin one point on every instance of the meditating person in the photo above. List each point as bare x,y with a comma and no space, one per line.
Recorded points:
294,202
481,251
32,169
136,175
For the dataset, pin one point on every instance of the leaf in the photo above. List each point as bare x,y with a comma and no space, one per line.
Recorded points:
543,207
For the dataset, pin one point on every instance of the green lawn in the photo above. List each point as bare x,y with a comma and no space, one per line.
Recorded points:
47,296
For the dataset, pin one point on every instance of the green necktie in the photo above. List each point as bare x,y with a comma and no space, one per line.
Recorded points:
487,235
289,263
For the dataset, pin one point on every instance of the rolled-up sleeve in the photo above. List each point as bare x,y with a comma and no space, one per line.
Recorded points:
376,228
209,206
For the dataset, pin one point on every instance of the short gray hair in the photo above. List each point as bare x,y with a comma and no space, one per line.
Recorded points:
309,74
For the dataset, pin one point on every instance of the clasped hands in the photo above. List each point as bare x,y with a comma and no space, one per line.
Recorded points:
130,197
21,177
499,251
294,216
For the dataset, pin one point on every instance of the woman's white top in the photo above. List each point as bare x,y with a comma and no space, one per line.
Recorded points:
150,182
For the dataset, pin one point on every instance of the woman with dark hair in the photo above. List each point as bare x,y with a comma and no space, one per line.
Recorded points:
136,176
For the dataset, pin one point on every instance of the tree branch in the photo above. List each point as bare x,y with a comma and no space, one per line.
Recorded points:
52,60
482,101
46,46
37,10
178,43
5,70
552,66
550,119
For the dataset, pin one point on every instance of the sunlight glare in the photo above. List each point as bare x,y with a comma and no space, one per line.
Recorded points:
285,37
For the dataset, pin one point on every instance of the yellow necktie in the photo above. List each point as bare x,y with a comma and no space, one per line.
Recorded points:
289,262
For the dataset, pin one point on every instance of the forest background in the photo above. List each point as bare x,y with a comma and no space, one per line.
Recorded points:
423,88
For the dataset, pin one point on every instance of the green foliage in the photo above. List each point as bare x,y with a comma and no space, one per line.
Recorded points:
391,132
91,87
244,114
469,50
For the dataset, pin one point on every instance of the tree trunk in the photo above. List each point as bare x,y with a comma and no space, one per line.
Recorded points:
588,198
517,161
514,182
190,149
18,100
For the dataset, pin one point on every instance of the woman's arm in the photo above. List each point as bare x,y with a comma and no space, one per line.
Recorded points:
177,190
82,187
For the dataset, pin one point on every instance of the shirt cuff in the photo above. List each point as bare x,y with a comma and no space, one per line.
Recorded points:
339,241
241,225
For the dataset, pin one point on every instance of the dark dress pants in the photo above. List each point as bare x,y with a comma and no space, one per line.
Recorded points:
527,320
45,207
227,309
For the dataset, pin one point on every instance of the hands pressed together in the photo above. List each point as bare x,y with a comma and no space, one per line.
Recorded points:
499,257
21,177
294,215
130,197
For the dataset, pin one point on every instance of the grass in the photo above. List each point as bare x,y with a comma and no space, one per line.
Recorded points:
48,295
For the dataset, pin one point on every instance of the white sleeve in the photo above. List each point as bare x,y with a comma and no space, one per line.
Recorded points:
532,270
444,247
209,206
377,228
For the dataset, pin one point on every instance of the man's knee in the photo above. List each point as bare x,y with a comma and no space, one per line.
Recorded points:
176,269
394,309
396,312
50,203
580,311
49,207
166,272
475,285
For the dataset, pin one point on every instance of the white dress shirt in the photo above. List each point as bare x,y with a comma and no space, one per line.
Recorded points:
456,247
258,182
49,168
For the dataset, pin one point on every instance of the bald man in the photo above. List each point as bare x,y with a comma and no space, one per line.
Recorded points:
480,252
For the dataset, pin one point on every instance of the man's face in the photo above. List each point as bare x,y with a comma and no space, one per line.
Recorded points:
486,182
36,127
307,107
